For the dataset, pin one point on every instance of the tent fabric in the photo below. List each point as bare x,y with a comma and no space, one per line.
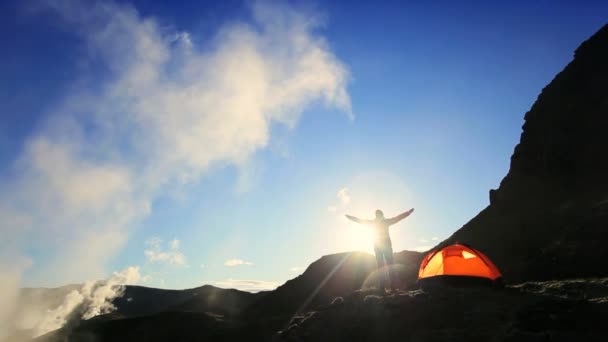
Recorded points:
458,260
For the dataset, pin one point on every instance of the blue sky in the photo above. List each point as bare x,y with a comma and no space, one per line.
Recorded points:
222,143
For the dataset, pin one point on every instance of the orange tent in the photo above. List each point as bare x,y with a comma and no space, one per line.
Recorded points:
457,264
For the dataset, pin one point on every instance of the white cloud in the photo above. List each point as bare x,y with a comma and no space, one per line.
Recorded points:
154,242
434,238
423,240
343,196
297,269
237,262
343,202
167,110
171,256
174,244
245,285
422,248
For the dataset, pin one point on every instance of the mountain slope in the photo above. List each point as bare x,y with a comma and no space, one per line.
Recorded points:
140,301
549,217
329,277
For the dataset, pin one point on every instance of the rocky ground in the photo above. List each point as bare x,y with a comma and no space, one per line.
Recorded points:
563,310
536,311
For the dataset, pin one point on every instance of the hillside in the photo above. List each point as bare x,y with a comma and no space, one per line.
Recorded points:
329,277
142,301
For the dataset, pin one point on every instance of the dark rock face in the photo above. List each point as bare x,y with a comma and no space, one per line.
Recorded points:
549,217
551,311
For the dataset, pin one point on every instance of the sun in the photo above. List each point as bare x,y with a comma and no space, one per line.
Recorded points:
359,238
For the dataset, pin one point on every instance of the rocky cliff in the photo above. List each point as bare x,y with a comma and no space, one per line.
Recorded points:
549,217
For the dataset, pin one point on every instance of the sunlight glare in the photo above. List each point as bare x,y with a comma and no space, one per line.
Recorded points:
359,238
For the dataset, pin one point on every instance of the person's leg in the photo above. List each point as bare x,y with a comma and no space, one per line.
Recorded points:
380,263
388,254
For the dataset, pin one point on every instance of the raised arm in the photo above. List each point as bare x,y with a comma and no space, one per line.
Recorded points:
399,217
358,220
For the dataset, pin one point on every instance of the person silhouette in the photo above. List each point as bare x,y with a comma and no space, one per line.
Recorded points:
382,243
